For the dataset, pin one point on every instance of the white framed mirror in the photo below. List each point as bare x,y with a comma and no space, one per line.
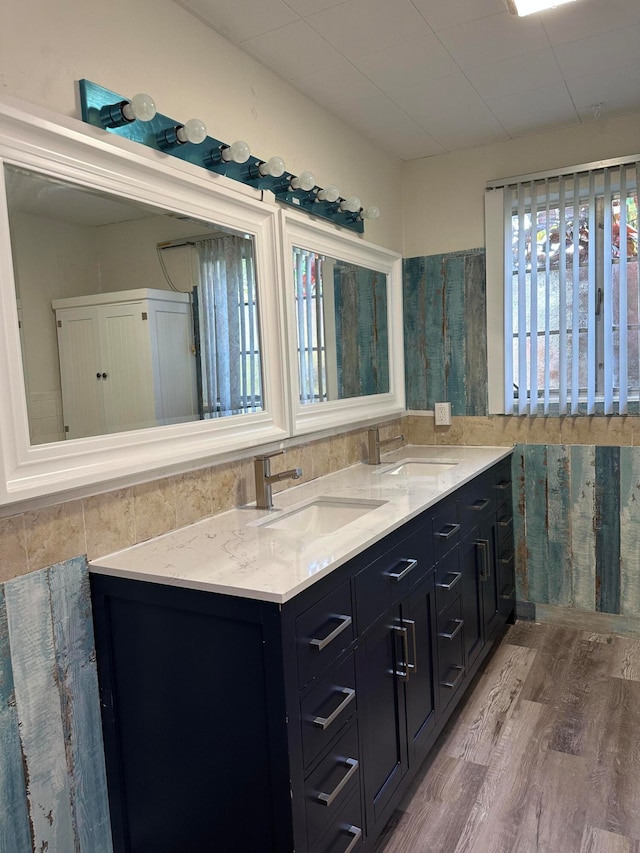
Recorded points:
343,299
98,234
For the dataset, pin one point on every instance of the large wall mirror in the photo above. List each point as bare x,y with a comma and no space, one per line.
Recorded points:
139,315
344,306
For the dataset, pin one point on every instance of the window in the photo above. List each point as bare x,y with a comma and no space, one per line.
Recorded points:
571,294
310,299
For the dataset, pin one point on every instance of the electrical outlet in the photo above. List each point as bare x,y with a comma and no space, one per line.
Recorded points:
443,414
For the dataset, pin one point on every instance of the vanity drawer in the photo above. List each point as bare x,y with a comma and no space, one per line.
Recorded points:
327,708
324,631
333,782
448,580
345,834
506,583
476,504
383,582
445,527
450,652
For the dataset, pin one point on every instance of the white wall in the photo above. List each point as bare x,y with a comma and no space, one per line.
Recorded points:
443,196
155,46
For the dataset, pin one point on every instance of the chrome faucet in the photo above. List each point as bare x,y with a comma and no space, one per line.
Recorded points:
375,443
264,478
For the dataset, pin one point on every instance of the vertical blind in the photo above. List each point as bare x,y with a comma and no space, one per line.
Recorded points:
307,274
572,300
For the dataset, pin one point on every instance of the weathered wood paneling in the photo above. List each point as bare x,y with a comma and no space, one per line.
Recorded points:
475,291
536,521
52,775
559,531
607,529
416,343
581,519
15,836
454,331
630,531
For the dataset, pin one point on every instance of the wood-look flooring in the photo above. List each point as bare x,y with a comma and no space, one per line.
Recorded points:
542,755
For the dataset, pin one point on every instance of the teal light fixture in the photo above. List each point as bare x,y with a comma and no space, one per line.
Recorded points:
137,119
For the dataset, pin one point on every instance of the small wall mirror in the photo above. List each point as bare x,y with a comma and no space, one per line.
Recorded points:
343,299
134,332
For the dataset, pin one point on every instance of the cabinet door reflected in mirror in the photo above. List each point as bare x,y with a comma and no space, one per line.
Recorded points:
130,316
342,328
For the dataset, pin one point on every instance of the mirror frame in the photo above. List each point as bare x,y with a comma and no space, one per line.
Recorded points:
308,233
65,148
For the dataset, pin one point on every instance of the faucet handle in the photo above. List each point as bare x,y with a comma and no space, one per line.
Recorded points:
263,456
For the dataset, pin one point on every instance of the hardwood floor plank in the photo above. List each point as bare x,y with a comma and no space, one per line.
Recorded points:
626,658
600,841
489,707
529,634
551,665
615,789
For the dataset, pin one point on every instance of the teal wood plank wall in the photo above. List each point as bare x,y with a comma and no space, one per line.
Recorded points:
53,793
576,507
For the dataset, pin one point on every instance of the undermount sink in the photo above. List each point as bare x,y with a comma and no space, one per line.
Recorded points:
419,467
320,516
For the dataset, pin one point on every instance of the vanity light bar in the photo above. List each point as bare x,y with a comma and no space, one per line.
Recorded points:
111,112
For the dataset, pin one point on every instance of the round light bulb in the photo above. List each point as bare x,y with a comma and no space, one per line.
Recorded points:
141,107
330,193
238,151
352,204
273,168
193,131
305,181
372,212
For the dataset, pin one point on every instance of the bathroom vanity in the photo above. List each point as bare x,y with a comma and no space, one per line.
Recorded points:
272,681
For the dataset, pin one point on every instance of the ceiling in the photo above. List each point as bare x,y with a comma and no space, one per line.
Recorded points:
423,77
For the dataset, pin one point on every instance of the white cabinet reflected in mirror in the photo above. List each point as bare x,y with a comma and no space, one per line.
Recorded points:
344,309
134,335
131,317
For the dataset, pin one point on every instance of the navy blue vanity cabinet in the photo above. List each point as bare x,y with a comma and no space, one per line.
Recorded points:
505,555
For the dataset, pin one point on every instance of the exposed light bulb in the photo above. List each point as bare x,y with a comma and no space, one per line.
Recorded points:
193,131
372,212
141,108
330,193
273,168
238,152
305,181
351,204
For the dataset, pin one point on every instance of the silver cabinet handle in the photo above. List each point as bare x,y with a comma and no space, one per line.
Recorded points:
479,504
508,592
404,636
449,635
413,667
398,576
357,835
345,621
325,722
327,799
453,684
505,521
483,547
505,484
456,578
450,528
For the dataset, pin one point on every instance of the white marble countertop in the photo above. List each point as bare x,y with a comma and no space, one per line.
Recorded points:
232,554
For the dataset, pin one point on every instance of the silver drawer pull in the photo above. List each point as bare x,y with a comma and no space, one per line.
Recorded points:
404,636
505,521
479,504
450,528
325,722
456,578
508,592
398,576
449,635
353,765
345,621
505,484
453,684
357,835
483,547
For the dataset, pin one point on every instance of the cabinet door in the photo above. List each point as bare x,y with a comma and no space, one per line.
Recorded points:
489,586
128,387
81,372
472,597
380,667
418,615
174,372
